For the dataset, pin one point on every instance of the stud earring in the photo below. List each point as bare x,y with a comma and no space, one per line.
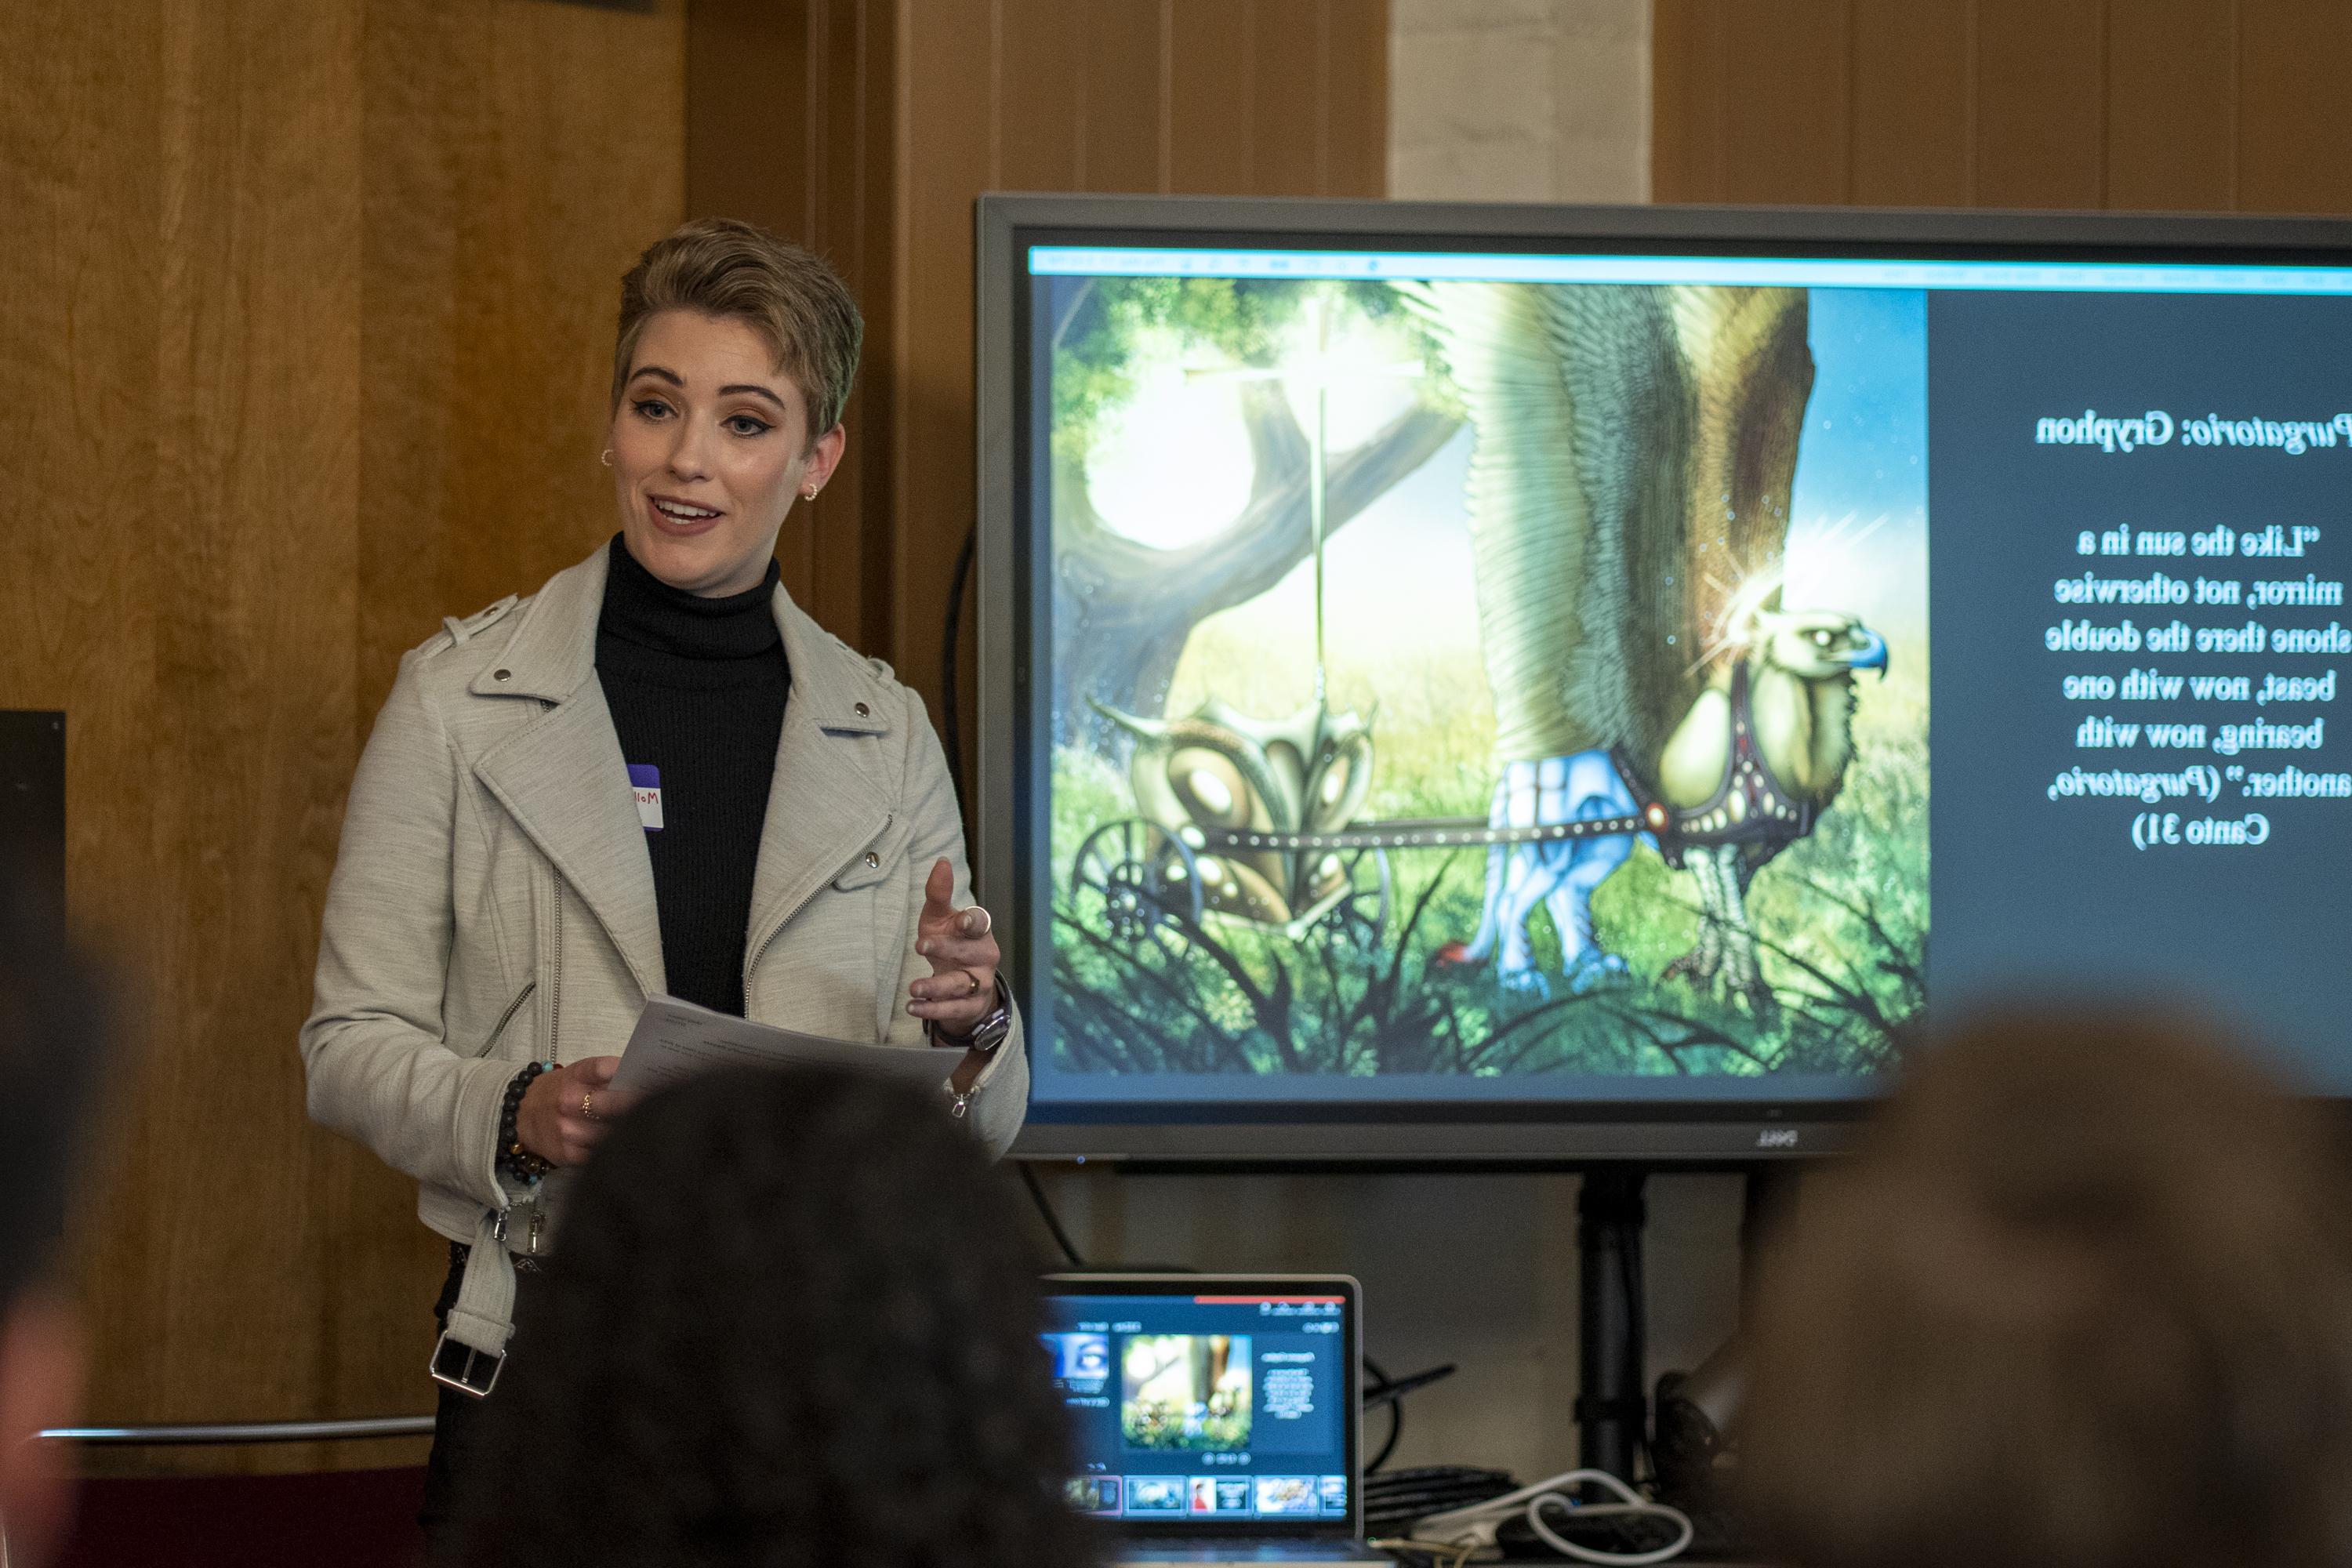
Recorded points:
607,458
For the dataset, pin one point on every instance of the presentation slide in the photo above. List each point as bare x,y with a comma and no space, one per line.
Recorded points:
2144,633
1477,678
1216,1409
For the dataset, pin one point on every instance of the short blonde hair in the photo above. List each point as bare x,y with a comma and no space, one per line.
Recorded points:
723,267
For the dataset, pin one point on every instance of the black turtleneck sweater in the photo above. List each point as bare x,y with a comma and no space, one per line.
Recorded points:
696,689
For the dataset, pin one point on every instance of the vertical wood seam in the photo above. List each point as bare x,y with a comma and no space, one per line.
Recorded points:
1852,94
1249,92
2237,99
1323,98
1718,182
996,94
1972,87
882,589
1085,108
2106,98
813,83
1167,95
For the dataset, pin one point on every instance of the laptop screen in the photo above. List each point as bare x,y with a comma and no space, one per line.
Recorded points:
1199,1402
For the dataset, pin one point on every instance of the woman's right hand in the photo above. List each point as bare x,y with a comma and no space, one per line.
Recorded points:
565,1110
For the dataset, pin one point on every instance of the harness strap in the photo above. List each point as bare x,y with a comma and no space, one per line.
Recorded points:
473,1346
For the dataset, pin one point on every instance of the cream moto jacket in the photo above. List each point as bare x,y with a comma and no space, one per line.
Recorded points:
493,902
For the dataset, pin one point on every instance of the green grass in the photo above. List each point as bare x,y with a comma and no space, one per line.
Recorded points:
1842,917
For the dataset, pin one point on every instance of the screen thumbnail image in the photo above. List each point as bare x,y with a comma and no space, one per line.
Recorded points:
1472,678
1081,1362
1156,1494
1094,1494
1185,1392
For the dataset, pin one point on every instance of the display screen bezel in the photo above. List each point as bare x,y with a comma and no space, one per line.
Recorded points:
1013,586
1351,1353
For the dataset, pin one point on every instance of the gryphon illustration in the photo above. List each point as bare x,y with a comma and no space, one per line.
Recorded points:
1629,513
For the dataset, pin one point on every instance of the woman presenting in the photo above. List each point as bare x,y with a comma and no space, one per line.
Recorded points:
656,773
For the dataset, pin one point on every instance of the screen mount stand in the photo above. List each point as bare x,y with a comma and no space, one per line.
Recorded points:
1610,1412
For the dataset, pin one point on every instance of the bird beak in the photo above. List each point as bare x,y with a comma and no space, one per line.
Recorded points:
1871,655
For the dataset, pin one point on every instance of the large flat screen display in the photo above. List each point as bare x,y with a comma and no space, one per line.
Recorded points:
1495,682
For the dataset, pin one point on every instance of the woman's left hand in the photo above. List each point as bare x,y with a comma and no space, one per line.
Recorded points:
960,989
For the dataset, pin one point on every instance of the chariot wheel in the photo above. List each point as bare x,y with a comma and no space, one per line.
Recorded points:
1361,917
1137,882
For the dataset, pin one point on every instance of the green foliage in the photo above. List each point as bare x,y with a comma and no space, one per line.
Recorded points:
1840,917
1164,1428
1240,319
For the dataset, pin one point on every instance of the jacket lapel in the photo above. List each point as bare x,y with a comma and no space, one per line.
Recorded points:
826,801
560,775
563,780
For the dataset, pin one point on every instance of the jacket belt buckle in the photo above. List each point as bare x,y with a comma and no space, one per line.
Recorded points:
460,1366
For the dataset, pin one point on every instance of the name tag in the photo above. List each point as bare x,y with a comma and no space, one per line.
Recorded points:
644,783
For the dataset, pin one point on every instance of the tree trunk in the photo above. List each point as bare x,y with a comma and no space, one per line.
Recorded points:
1124,609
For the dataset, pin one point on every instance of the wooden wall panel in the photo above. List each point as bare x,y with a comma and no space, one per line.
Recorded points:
2153,105
1036,79
1355,100
1126,64
1788,146
2041,80
311,311
954,142
2294,143
258,364
81,126
1689,99
1212,67
1287,52
2172,107
1912,113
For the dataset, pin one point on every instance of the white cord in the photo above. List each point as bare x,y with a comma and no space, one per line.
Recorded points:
1475,1526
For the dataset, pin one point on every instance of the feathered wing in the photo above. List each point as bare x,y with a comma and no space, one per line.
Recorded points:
1530,523
1750,372
1634,675
1628,492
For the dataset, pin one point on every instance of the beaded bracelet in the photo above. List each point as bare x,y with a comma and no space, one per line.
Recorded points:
513,1158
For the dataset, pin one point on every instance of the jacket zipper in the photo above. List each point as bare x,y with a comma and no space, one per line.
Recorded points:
555,996
554,1055
507,1017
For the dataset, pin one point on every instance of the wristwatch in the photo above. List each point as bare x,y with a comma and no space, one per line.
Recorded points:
986,1035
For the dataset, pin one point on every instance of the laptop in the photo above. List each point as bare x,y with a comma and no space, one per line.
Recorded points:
1216,1418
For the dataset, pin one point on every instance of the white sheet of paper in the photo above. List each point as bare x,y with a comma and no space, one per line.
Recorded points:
676,1040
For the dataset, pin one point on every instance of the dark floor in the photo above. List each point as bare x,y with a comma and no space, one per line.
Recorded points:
350,1519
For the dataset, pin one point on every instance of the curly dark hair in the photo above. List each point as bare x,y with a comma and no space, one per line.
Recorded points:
791,1319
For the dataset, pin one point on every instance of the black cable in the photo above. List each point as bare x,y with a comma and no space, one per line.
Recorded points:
1396,1417
1046,1211
1396,1430
951,643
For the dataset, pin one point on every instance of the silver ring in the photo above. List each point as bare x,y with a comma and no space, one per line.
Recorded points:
986,924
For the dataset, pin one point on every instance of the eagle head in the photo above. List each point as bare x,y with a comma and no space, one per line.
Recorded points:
1803,663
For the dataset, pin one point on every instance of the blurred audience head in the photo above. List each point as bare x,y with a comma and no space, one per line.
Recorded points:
49,1041
2084,1299
791,1319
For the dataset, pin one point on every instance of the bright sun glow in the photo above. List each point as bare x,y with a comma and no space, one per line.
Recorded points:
1172,466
